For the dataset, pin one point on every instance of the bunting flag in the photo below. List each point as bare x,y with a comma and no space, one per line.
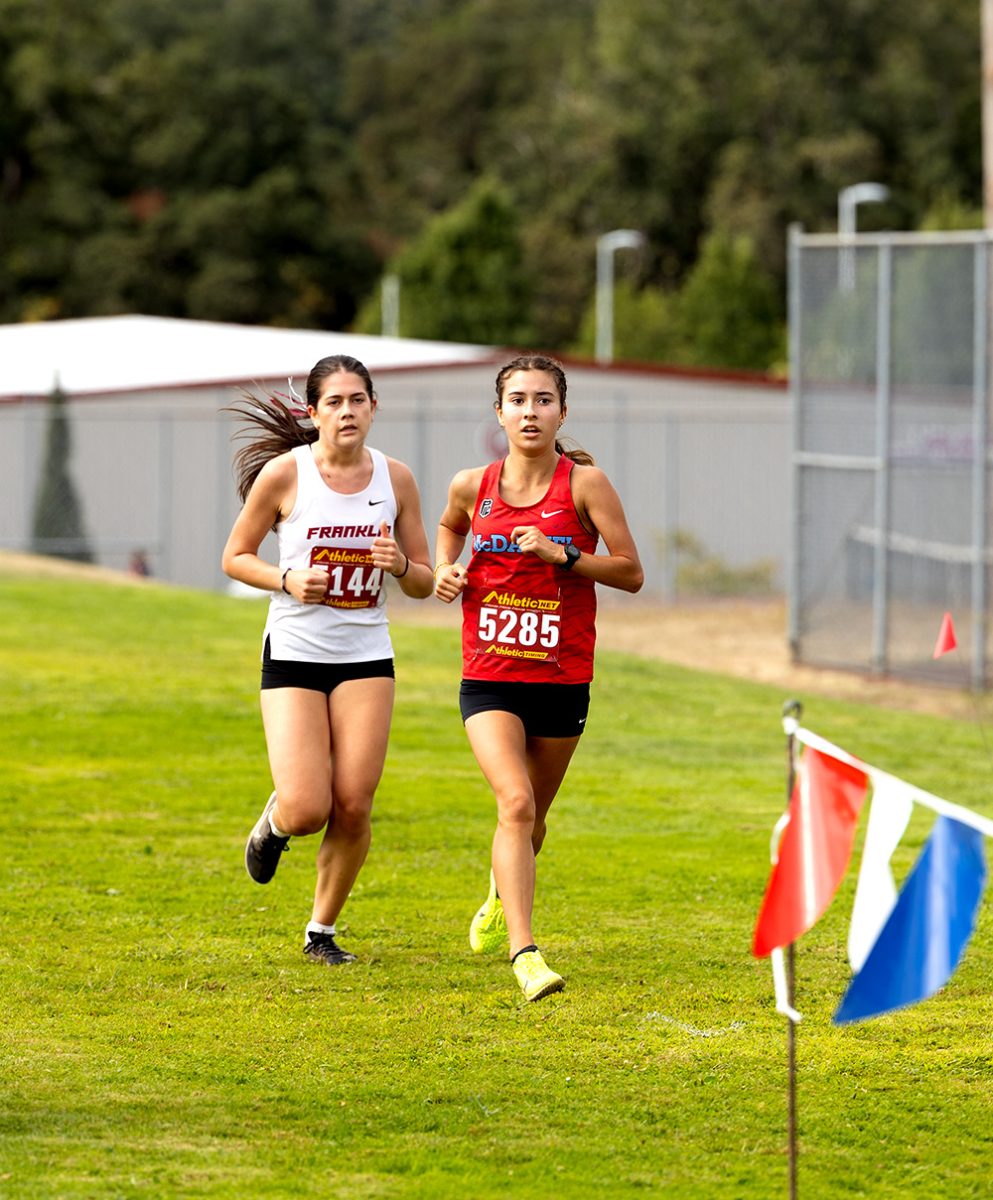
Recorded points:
946,637
920,945
875,894
813,855
902,948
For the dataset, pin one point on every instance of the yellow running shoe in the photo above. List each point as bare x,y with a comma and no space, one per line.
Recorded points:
534,975
488,931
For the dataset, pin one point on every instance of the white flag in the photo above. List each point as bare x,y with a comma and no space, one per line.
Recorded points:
875,896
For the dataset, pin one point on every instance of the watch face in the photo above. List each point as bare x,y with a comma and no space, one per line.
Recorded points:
571,554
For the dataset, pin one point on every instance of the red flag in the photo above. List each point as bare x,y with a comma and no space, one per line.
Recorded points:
946,638
815,849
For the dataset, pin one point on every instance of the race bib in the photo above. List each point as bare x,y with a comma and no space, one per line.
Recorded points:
353,582
527,628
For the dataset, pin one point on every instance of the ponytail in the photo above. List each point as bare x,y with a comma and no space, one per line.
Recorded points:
282,428
569,449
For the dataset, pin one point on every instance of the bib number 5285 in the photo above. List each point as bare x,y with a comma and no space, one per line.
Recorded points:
509,627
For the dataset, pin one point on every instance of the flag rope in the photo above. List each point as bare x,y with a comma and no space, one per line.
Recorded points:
944,807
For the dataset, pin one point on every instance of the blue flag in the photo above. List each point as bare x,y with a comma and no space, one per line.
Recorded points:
921,943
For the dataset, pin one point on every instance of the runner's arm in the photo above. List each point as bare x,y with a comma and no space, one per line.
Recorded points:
600,505
261,510
270,499
414,574
453,528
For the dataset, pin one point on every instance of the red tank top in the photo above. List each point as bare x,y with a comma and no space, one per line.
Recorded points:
525,620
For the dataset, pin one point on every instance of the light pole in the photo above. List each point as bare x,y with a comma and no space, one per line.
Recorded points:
390,302
849,199
606,246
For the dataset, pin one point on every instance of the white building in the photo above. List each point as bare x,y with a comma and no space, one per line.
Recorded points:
703,454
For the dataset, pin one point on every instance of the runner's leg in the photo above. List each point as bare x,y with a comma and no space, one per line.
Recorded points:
359,712
499,744
298,740
547,762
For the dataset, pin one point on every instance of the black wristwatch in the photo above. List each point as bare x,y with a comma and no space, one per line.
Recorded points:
572,554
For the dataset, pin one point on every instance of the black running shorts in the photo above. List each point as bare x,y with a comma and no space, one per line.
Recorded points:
319,677
553,710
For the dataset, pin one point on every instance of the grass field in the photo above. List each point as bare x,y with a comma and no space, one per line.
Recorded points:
163,1036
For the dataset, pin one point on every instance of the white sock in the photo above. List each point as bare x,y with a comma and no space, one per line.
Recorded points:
275,829
317,927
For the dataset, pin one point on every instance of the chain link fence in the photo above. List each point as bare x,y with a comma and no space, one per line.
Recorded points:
889,357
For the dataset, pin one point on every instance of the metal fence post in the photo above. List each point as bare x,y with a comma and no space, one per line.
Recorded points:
884,354
670,508
164,516
980,460
794,308
422,405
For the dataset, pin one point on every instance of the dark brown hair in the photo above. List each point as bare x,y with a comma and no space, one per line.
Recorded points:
540,362
281,426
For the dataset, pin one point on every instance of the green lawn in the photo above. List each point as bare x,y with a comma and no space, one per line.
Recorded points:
163,1036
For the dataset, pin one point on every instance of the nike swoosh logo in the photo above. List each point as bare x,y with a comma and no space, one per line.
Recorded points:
377,501
554,513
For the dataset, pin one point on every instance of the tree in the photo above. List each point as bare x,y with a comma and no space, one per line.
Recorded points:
729,310
180,160
646,326
726,314
465,279
57,528
265,160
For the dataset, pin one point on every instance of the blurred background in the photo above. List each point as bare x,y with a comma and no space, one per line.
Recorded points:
755,235
269,161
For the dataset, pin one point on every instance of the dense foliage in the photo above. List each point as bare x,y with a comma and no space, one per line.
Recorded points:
266,161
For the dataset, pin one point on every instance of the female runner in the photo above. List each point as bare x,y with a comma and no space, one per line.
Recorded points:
344,516
528,612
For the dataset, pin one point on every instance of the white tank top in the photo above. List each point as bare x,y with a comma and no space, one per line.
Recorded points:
335,532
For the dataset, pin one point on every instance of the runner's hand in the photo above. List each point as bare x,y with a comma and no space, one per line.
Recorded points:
532,541
450,580
386,554
309,585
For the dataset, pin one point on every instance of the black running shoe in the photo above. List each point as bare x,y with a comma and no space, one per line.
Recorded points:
263,848
322,947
